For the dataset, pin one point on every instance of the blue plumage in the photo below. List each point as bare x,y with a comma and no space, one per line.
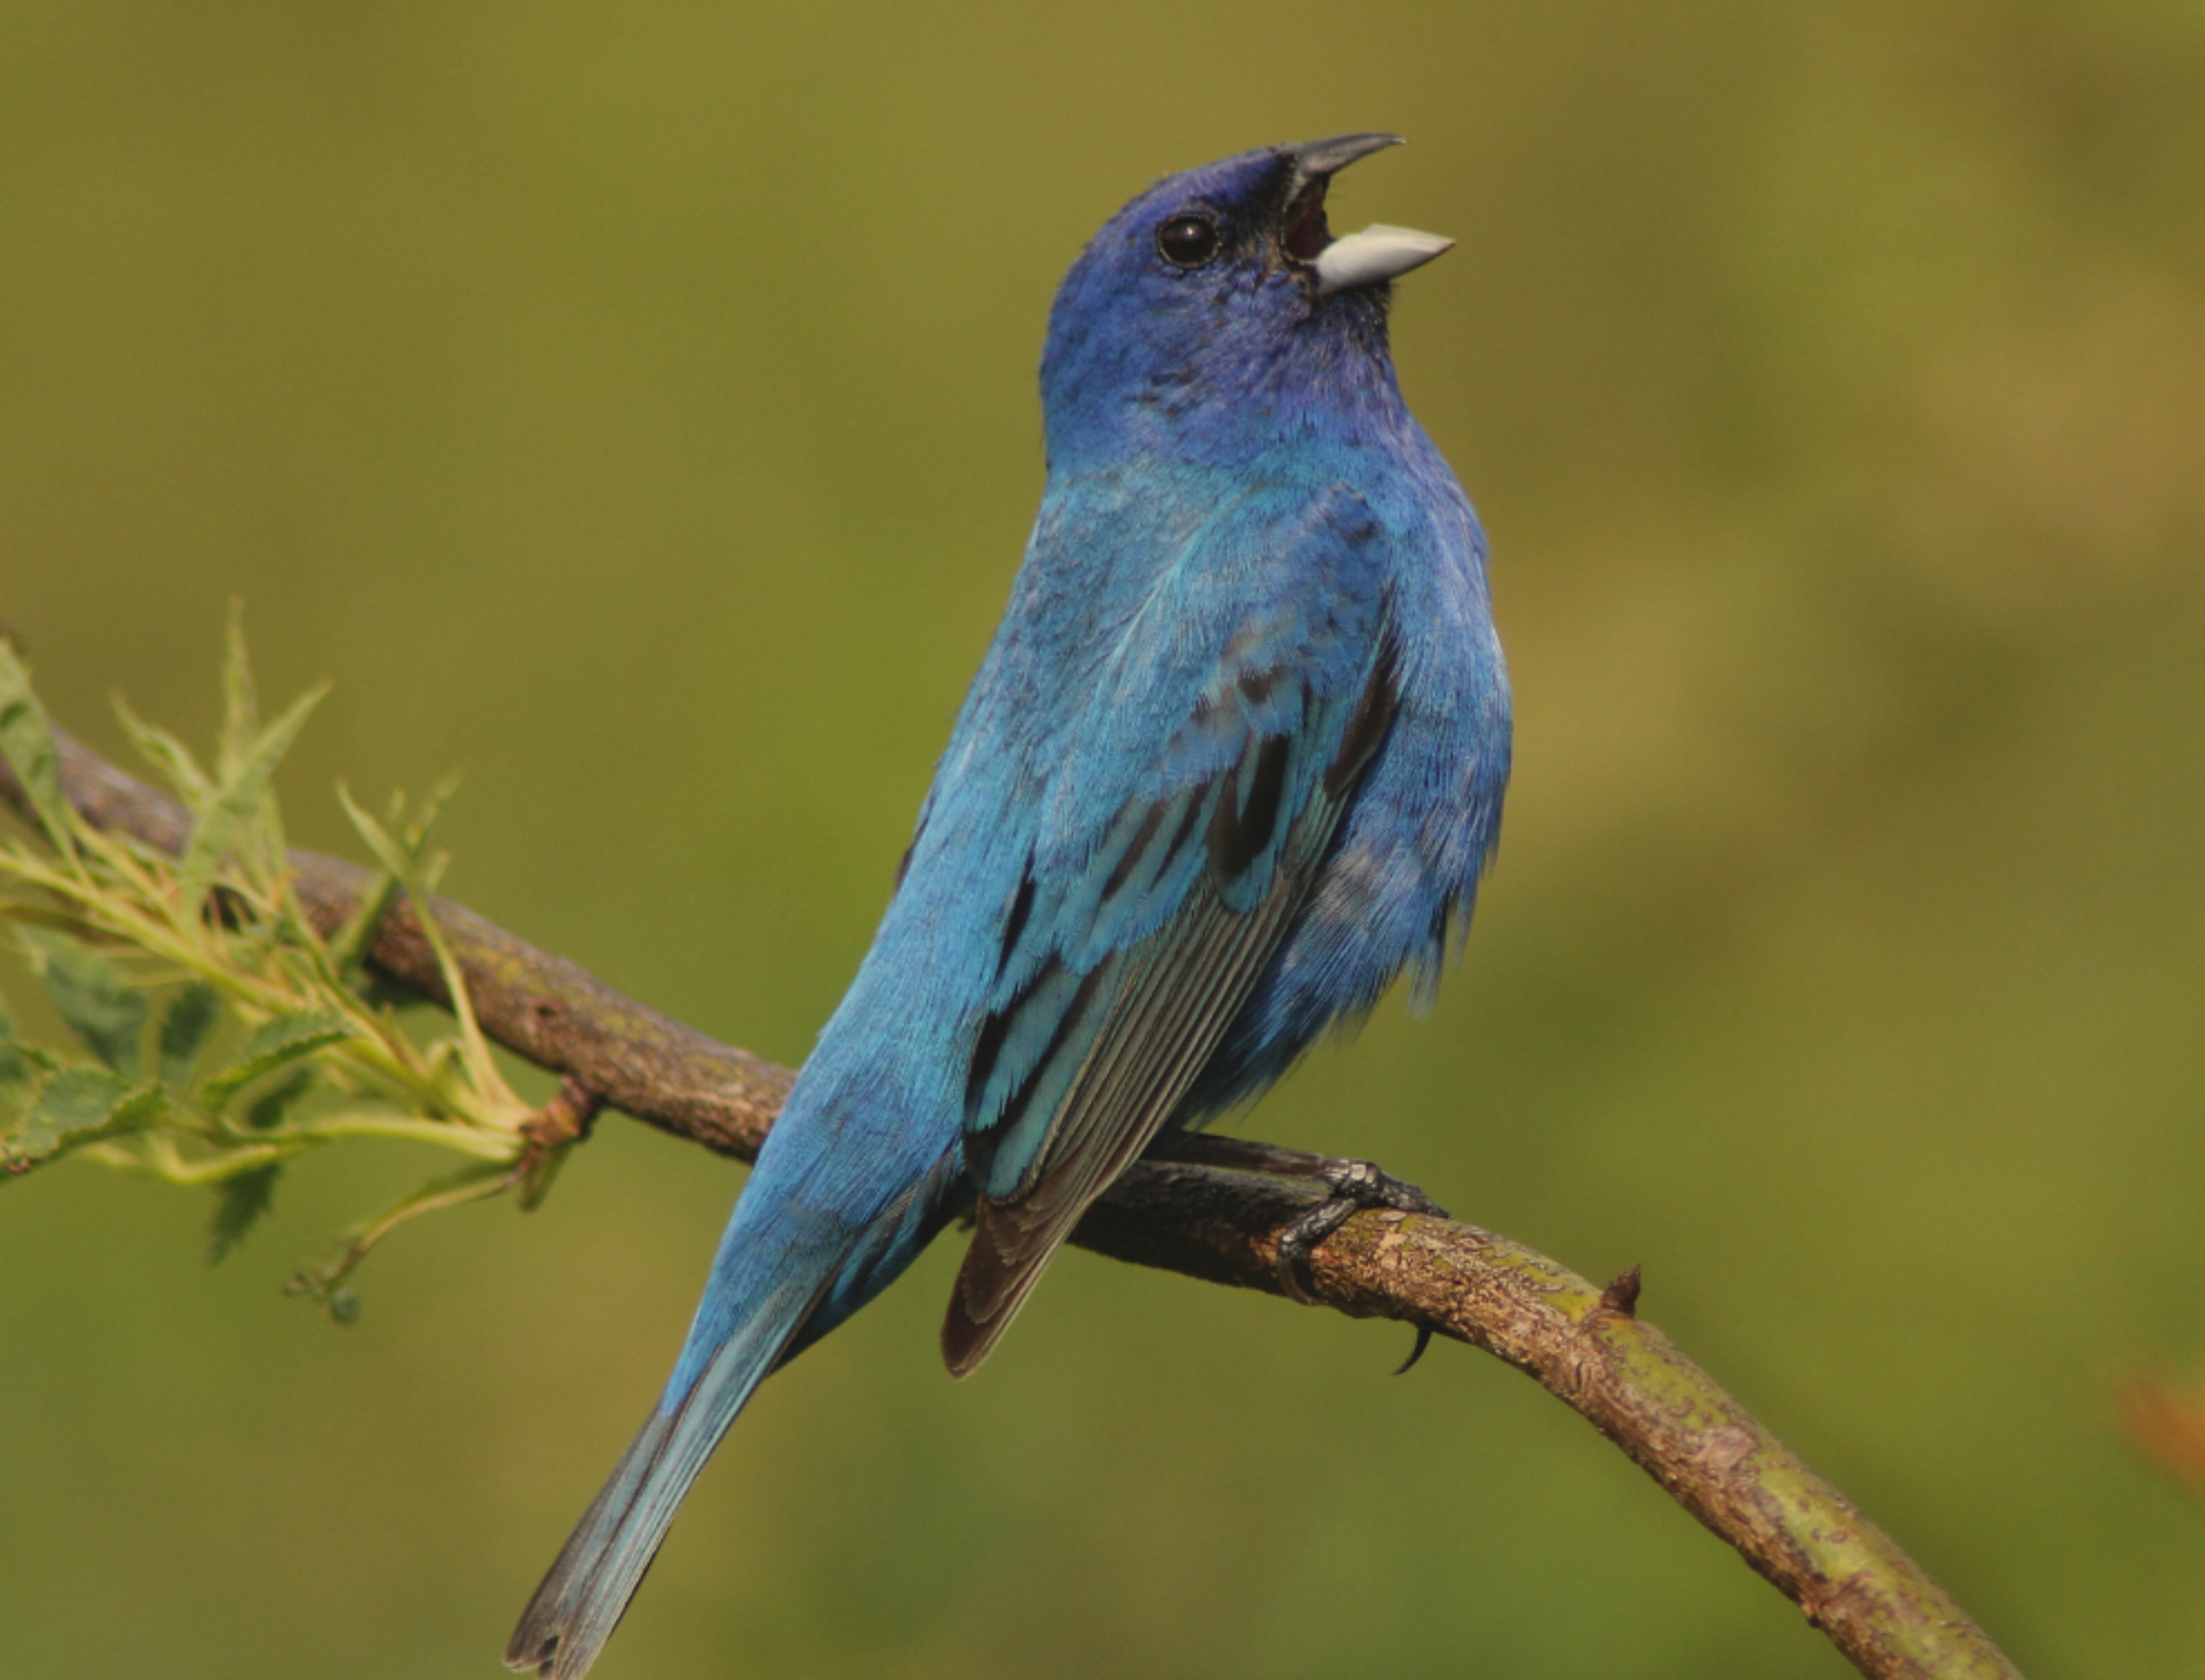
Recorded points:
1234,761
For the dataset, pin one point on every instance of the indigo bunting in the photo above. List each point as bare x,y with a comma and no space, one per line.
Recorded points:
1234,761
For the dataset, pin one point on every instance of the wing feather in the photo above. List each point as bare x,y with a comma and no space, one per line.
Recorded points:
1075,1073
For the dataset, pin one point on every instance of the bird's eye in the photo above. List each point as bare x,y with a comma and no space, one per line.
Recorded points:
1187,241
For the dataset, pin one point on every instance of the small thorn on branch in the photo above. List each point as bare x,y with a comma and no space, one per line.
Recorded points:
1424,1341
1621,1297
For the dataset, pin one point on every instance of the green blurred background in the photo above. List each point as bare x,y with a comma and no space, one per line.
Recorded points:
633,406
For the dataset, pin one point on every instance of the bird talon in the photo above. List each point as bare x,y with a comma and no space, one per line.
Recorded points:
1354,1186
1300,1239
1366,1184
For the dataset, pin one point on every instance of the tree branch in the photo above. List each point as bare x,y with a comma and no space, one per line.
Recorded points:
1580,1343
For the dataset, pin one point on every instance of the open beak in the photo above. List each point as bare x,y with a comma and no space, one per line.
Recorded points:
1378,252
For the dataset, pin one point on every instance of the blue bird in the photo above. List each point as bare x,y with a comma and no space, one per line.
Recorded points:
1234,761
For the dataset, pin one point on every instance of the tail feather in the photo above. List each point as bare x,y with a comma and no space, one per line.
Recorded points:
588,1587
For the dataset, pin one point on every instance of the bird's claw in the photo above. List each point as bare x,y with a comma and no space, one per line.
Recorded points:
1352,1187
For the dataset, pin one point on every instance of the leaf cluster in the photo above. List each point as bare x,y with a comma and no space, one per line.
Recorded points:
220,1033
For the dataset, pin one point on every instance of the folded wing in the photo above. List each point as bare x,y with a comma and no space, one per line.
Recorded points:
1188,813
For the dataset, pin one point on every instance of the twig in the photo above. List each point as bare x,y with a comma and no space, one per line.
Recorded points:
1581,1343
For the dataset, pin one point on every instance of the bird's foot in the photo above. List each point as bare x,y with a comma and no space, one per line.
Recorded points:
1350,1186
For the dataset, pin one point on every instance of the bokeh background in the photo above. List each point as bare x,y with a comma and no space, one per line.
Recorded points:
633,407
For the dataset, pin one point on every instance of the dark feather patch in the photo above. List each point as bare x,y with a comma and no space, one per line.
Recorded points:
1367,729
988,1050
1188,818
1237,837
1132,859
1021,908
993,1031
1069,1027
1148,1050
1259,685
1130,1037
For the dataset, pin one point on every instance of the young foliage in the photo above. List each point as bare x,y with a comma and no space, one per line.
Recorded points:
239,1204
192,1015
93,996
262,1040
28,744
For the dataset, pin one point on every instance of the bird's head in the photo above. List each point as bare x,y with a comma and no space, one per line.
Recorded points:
1217,307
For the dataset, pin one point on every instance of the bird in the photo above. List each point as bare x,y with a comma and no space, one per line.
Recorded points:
1234,761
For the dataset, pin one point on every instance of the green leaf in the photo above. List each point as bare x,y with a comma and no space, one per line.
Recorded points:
403,860
26,741
93,996
15,1086
400,857
16,1069
168,755
17,1075
241,702
184,1031
272,1045
239,1204
21,1066
241,732
79,1104
266,1112
354,941
229,819
398,861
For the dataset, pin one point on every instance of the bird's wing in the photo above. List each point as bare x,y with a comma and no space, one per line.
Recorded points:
1188,809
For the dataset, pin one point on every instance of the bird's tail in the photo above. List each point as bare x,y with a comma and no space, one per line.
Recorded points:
581,1600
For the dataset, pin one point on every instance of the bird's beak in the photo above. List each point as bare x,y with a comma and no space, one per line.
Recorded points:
1321,160
1377,253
